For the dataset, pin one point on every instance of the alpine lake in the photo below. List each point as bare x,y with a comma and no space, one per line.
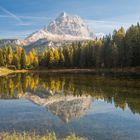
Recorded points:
93,106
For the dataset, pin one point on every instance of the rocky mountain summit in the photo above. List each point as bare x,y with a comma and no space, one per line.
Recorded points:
65,24
64,28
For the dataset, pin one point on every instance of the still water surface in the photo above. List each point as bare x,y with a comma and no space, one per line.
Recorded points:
91,106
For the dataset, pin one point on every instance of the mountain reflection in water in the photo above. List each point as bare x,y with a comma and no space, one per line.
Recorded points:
65,107
91,106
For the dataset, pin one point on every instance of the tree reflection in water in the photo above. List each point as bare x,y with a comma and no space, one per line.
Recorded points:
76,89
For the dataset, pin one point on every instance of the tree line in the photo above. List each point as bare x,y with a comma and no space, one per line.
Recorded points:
119,50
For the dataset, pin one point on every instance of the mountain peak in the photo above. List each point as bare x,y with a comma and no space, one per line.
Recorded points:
64,27
63,14
66,24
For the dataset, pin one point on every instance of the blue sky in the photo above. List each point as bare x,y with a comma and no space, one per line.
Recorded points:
19,18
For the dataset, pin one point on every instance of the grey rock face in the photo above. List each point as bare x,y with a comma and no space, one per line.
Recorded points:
65,24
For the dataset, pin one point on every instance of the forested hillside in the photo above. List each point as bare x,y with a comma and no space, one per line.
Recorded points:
121,49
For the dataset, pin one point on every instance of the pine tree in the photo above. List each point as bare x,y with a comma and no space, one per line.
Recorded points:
35,63
1,58
132,40
56,56
114,55
78,54
5,55
119,39
51,57
10,55
23,59
61,59
66,54
16,61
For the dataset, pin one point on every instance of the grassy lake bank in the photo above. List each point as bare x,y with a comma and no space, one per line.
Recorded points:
34,136
134,70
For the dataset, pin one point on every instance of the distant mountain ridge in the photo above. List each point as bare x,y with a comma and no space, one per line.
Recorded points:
12,42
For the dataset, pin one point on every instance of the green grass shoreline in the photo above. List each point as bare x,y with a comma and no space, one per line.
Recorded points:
35,136
136,70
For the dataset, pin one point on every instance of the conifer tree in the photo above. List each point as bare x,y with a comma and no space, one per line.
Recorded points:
51,57
23,60
16,61
1,58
